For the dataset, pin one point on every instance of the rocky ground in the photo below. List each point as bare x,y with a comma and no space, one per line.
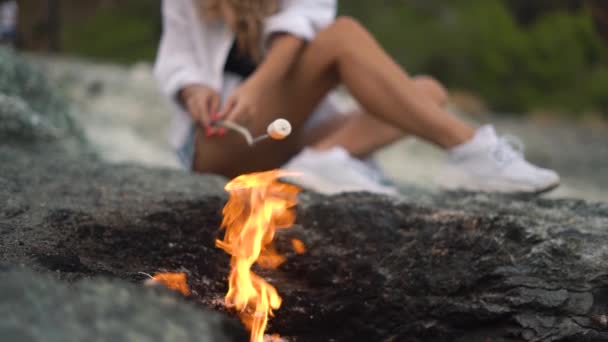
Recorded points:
458,267
431,267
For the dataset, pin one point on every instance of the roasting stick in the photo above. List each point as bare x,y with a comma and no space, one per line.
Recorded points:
279,129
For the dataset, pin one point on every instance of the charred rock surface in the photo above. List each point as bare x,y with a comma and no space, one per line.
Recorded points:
430,268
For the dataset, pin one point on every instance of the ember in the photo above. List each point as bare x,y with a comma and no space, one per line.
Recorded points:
173,281
298,246
258,205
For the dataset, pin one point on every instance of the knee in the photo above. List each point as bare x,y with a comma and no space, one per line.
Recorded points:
433,88
346,24
341,33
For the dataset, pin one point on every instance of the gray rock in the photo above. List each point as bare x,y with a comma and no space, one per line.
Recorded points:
40,308
435,267
31,110
18,78
18,122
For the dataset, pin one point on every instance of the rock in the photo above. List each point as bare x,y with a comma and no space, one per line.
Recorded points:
434,267
40,308
31,111
19,79
120,108
18,122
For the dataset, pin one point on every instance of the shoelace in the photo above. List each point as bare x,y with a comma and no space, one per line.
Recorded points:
508,148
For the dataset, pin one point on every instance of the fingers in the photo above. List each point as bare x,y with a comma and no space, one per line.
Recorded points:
228,107
225,113
220,131
203,103
197,105
235,110
238,112
213,106
193,97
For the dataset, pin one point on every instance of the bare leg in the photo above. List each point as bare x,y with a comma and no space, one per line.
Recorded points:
386,91
362,134
343,53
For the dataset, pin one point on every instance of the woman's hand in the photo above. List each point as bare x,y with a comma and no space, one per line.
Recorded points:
247,99
244,102
203,103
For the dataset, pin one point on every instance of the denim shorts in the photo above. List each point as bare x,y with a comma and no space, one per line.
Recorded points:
185,153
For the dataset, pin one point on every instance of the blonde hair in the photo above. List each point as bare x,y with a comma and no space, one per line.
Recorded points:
244,17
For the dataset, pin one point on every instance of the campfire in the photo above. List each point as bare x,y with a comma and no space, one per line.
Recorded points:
259,205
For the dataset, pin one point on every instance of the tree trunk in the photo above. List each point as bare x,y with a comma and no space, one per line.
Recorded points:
54,24
599,10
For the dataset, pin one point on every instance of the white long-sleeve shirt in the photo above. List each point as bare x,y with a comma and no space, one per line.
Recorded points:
194,51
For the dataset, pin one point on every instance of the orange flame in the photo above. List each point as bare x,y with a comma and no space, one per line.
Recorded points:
298,246
258,205
173,281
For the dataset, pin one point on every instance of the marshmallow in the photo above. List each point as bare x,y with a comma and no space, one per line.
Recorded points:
279,129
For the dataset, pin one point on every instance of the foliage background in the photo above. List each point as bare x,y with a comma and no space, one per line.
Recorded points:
556,60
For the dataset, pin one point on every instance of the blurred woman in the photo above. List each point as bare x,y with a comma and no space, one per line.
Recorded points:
252,61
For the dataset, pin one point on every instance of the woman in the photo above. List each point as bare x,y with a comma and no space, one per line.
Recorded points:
251,61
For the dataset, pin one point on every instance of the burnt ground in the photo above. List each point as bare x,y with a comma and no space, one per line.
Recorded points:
448,267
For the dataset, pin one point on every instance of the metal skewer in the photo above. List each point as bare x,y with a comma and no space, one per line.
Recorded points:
239,129
278,130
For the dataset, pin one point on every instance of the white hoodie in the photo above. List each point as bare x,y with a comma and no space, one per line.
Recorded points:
193,51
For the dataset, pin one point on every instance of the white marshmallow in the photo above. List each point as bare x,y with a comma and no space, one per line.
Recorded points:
279,129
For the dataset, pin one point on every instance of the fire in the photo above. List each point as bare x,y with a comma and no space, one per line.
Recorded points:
298,246
173,281
259,205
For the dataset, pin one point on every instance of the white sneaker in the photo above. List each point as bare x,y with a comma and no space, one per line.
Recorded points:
488,163
334,171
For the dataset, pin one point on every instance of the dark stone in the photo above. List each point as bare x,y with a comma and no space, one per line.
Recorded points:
40,308
434,267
